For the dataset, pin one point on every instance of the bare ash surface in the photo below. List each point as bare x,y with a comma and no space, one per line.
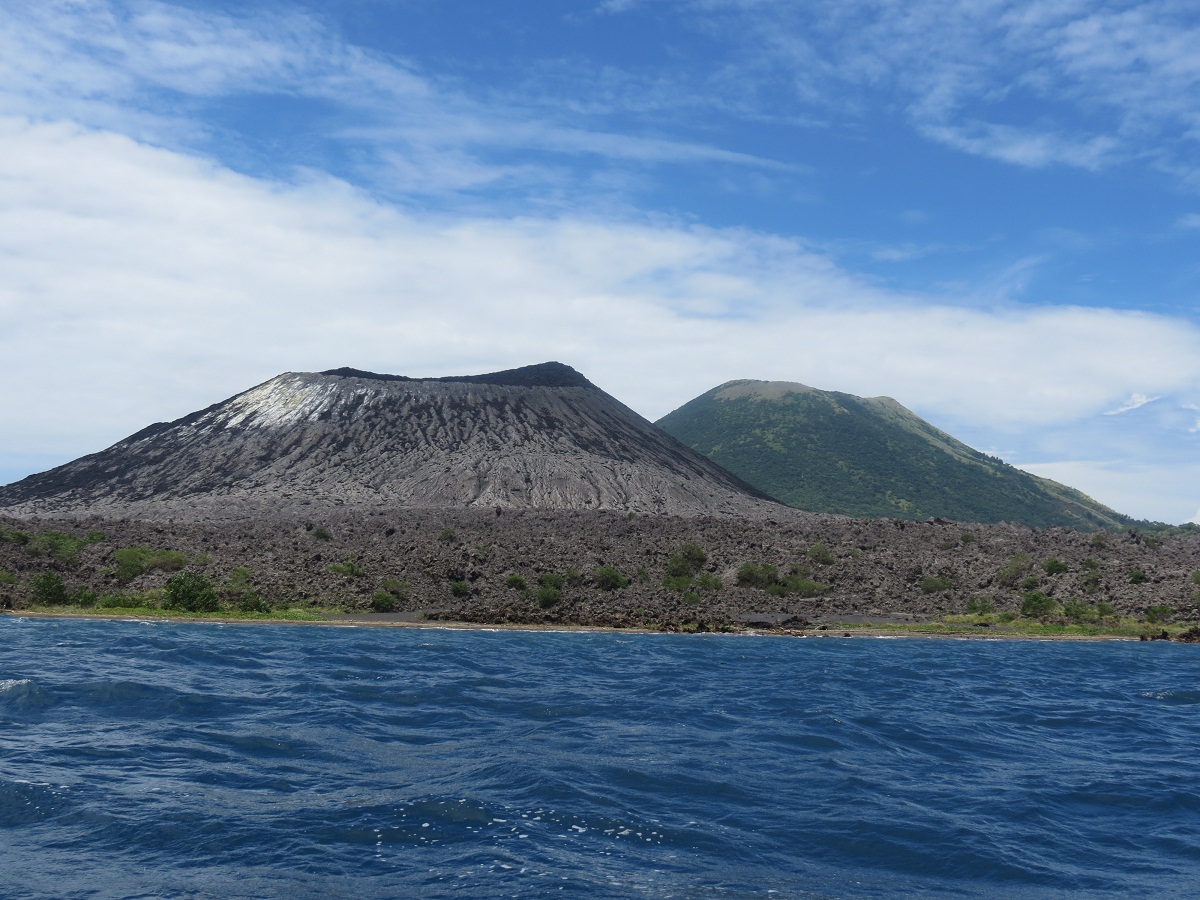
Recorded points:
456,565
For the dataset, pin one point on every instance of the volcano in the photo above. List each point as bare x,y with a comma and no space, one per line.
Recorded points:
541,436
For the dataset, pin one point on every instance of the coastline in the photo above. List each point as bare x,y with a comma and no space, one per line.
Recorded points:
384,620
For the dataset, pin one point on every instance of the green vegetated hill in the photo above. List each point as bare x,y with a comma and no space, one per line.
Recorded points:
830,452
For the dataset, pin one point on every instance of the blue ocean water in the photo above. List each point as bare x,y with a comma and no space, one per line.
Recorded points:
203,760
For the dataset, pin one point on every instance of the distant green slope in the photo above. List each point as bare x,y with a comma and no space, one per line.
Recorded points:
830,452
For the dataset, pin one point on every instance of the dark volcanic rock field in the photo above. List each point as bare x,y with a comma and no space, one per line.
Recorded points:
457,564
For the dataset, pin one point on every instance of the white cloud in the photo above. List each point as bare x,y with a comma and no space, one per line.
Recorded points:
1146,491
141,284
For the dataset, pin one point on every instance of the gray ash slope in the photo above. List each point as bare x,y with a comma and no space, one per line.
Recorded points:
536,437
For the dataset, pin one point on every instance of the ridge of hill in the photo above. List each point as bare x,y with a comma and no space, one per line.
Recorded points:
831,452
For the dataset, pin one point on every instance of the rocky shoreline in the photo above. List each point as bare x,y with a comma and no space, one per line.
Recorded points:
573,568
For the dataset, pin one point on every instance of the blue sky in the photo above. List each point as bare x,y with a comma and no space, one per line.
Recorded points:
987,210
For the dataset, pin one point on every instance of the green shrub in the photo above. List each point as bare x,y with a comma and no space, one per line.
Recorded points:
1090,564
642,574
932,584
691,598
980,606
609,579
1030,583
1137,576
13,535
547,596
7,577
397,587
572,578
1091,583
1011,571
239,578
321,533
552,580
1007,616
1054,566
1196,577
688,560
1037,605
253,602
759,576
47,589
516,582
350,568
460,588
63,547
446,535
135,561
795,584
706,581
1159,614
191,592
1100,539
1105,610
677,582
821,555
1077,611
115,600
967,538
383,602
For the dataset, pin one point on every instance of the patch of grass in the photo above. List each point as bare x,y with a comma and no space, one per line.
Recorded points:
706,581
460,588
677,582
321,533
552,580
516,582
1137,576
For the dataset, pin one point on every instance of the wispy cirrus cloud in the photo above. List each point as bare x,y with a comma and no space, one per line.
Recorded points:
157,71
1137,401
1029,83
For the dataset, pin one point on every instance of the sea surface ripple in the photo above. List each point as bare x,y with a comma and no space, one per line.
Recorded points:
202,760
